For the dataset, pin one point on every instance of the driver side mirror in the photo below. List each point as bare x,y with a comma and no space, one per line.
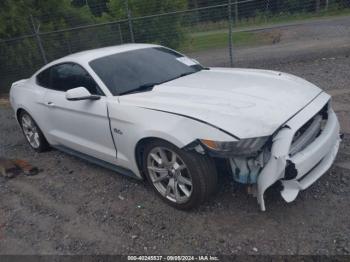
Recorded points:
80,93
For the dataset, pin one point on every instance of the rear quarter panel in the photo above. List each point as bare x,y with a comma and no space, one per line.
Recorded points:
26,95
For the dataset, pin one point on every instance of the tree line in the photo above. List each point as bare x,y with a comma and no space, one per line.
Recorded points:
25,17
54,15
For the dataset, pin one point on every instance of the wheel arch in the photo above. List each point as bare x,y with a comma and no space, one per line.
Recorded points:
18,112
139,150
21,109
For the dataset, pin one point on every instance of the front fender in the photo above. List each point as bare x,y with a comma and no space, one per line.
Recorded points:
130,124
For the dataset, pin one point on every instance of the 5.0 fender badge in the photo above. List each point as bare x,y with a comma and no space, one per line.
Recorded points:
117,131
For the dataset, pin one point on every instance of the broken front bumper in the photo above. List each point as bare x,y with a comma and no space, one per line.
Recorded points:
310,163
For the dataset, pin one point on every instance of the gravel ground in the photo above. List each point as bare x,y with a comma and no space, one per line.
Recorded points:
74,207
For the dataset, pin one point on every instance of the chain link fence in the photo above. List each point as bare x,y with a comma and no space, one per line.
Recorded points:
224,26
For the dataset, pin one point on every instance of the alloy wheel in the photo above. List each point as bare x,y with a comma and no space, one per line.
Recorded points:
169,174
30,131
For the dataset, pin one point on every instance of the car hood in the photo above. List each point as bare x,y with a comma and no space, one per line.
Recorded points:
244,102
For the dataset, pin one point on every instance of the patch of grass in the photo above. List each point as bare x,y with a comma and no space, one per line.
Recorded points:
219,39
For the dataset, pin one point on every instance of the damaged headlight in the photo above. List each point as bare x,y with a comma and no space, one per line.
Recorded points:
248,146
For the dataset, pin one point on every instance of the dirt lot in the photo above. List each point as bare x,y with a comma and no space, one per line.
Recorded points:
73,207
302,42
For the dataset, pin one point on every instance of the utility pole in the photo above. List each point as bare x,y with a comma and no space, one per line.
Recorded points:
230,42
38,39
318,3
236,12
120,34
132,38
267,10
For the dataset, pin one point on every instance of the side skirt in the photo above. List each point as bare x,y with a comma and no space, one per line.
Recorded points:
96,161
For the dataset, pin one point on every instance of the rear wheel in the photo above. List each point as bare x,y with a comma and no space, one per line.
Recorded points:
182,179
32,133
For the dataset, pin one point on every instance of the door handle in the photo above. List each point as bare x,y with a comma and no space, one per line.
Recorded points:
50,103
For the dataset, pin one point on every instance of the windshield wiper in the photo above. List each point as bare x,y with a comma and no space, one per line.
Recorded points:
149,86
179,76
186,74
141,88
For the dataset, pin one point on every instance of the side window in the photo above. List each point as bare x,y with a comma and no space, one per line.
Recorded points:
82,78
61,77
43,79
68,76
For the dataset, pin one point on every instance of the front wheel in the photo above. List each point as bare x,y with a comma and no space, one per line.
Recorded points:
182,179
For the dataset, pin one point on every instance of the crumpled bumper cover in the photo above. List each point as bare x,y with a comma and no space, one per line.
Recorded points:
311,163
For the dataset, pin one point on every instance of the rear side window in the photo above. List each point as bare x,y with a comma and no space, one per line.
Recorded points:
43,79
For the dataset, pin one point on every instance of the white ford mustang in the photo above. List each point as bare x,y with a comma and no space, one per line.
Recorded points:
147,111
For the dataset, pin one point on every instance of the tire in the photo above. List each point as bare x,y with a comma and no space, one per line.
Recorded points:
37,141
198,169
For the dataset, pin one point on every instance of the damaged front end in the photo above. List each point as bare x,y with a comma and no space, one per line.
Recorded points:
246,157
302,150
297,154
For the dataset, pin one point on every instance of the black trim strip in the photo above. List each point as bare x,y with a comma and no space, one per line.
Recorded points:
96,161
110,129
91,97
196,119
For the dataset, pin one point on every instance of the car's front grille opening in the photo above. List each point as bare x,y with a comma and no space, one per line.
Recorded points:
309,131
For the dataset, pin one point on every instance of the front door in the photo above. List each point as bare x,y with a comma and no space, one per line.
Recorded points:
79,125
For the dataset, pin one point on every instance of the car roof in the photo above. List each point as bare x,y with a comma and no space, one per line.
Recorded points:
105,51
88,55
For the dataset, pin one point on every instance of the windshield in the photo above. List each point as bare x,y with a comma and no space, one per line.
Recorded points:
132,70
